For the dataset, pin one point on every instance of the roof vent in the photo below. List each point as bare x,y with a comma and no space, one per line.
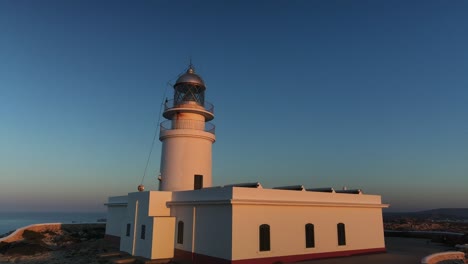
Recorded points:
354,191
291,188
327,189
246,185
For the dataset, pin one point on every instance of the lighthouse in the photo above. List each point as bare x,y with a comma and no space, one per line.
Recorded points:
187,136
182,220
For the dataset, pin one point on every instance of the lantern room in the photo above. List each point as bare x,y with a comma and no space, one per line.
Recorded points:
189,89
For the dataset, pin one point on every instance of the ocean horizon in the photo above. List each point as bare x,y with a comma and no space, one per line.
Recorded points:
10,221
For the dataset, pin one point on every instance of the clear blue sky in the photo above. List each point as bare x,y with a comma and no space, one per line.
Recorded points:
363,94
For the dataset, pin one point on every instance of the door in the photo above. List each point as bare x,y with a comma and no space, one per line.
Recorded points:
198,182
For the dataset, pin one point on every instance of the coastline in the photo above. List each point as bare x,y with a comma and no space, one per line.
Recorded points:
10,221
17,234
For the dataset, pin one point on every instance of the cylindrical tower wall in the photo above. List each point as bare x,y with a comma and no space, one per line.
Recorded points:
188,121
185,153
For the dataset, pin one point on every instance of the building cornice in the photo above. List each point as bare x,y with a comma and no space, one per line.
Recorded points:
277,203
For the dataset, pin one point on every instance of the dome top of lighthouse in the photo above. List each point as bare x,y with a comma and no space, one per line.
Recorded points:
190,77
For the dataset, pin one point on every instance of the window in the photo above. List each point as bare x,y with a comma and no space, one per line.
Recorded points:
127,233
341,234
264,232
310,235
180,232
143,231
198,182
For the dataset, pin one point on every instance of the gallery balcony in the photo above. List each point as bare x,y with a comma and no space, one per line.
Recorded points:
187,124
171,108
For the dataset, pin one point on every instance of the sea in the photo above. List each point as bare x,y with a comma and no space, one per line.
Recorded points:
10,221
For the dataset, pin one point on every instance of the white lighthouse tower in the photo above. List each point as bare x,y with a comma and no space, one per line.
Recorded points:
187,136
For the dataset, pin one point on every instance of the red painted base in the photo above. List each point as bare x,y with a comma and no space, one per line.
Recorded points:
196,258
113,240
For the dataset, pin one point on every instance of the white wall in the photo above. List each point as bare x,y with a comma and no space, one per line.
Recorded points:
364,229
116,213
184,213
143,247
158,203
115,216
163,237
142,209
205,195
213,233
224,222
126,242
213,225
287,213
185,152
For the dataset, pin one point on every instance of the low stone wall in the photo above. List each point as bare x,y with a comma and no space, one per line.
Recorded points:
442,256
18,234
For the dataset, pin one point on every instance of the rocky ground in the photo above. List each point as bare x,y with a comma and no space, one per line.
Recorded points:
410,224
84,244
66,245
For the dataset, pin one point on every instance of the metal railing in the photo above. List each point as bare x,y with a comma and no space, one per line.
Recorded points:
207,106
187,124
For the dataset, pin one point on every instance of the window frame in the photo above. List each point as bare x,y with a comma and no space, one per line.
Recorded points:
180,232
341,230
264,243
310,235
143,232
127,232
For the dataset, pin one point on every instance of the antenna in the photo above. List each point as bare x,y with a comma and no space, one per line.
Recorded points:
191,69
141,187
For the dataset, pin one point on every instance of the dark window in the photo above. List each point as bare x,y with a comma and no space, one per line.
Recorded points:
264,231
198,182
143,231
128,230
180,232
341,234
310,235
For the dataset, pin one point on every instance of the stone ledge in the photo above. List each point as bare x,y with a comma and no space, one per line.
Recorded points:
18,234
442,256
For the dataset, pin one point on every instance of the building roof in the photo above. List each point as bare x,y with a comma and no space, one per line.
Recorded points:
254,194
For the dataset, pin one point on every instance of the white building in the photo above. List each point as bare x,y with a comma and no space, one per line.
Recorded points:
244,223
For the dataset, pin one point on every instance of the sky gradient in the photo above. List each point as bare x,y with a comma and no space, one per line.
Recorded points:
363,94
